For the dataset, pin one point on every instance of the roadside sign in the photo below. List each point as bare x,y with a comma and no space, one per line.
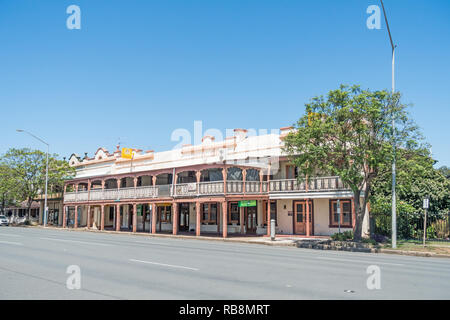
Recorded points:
247,203
426,203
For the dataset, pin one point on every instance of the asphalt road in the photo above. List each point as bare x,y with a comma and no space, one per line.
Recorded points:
33,265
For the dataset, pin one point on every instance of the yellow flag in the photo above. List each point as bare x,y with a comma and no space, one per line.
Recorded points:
127,153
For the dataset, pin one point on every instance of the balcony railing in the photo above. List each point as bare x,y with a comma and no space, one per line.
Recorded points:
253,186
186,189
195,189
112,194
210,188
314,184
202,188
235,186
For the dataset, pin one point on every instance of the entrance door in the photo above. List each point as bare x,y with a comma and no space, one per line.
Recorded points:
300,217
183,223
250,219
164,215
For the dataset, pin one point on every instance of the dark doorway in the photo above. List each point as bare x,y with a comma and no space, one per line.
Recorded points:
183,223
251,219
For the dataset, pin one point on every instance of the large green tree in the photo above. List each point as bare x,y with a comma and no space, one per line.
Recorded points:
348,133
445,171
28,169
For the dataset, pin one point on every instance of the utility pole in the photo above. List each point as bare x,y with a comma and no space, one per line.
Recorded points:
426,204
394,199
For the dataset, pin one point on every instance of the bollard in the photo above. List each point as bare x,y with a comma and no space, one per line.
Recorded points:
272,229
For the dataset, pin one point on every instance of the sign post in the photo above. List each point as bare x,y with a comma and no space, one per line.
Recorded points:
426,204
272,229
339,214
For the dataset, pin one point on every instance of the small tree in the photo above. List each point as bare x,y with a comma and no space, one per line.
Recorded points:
28,168
416,180
445,171
8,188
348,134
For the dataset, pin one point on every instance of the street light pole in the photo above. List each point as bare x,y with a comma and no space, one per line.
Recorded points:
394,199
46,173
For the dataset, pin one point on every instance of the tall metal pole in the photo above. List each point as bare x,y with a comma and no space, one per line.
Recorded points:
46,173
394,202
46,186
394,198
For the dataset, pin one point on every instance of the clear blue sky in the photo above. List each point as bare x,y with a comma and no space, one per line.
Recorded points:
137,70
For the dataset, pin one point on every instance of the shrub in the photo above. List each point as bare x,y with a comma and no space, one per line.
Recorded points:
380,238
343,236
368,240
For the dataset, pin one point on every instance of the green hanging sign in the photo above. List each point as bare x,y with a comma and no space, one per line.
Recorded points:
139,209
247,203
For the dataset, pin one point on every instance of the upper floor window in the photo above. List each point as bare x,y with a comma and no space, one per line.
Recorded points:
252,175
234,174
291,172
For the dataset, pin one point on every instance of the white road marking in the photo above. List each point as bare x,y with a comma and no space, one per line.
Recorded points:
165,265
362,261
75,241
9,235
9,242
155,243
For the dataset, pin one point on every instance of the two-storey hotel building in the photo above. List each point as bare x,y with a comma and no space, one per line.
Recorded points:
229,187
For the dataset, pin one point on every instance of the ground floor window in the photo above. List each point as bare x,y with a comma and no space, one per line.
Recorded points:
273,211
209,213
233,212
53,216
345,215
164,213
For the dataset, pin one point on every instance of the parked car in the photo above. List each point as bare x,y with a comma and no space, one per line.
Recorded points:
4,221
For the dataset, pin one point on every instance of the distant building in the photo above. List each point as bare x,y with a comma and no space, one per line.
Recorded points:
55,208
20,211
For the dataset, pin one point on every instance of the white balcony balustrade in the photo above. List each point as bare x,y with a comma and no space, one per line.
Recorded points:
235,186
112,194
146,192
314,184
186,189
252,187
70,197
208,188
82,195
